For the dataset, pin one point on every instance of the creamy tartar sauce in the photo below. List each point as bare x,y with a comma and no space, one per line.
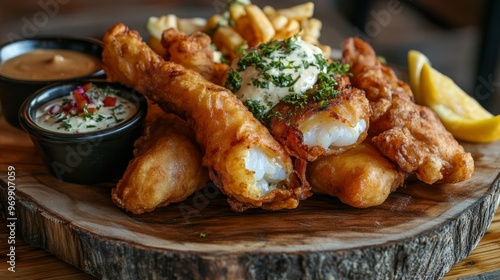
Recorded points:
281,68
86,109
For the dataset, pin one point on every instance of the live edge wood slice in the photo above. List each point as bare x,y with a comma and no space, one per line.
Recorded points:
420,230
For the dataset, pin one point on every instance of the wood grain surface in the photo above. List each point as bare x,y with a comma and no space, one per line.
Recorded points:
420,230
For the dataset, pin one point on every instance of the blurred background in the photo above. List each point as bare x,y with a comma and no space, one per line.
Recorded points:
460,37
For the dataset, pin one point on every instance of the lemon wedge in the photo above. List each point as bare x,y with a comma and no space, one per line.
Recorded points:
416,61
461,114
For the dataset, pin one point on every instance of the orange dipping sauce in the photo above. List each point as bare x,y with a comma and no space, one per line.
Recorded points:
50,65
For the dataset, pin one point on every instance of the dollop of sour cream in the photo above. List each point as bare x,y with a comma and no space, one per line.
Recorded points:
85,109
272,71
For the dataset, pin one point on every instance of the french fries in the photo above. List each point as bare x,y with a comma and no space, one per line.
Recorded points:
262,27
298,12
156,26
244,25
228,41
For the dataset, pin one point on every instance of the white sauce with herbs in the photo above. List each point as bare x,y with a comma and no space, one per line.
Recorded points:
301,67
53,117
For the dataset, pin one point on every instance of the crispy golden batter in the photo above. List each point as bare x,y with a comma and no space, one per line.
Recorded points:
348,108
409,134
360,177
166,167
224,128
194,52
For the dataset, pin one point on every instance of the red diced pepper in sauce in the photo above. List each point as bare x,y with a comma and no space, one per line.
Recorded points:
87,87
80,102
109,101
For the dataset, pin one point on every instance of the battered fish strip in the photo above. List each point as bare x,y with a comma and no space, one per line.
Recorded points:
322,128
361,177
194,52
244,160
303,98
166,167
408,134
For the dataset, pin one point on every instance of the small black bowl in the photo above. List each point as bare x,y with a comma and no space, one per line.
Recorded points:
13,92
84,158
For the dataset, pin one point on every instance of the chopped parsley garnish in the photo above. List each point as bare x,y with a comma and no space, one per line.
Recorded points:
274,66
65,124
86,115
257,109
233,81
258,56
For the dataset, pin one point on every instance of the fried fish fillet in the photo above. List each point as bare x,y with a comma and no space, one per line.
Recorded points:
194,52
360,177
166,167
409,134
322,127
243,158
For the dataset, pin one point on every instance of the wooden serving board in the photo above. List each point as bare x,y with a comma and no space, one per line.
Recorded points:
420,230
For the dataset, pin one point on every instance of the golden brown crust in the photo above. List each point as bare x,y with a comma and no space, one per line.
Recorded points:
349,107
223,126
409,134
166,167
194,52
361,177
